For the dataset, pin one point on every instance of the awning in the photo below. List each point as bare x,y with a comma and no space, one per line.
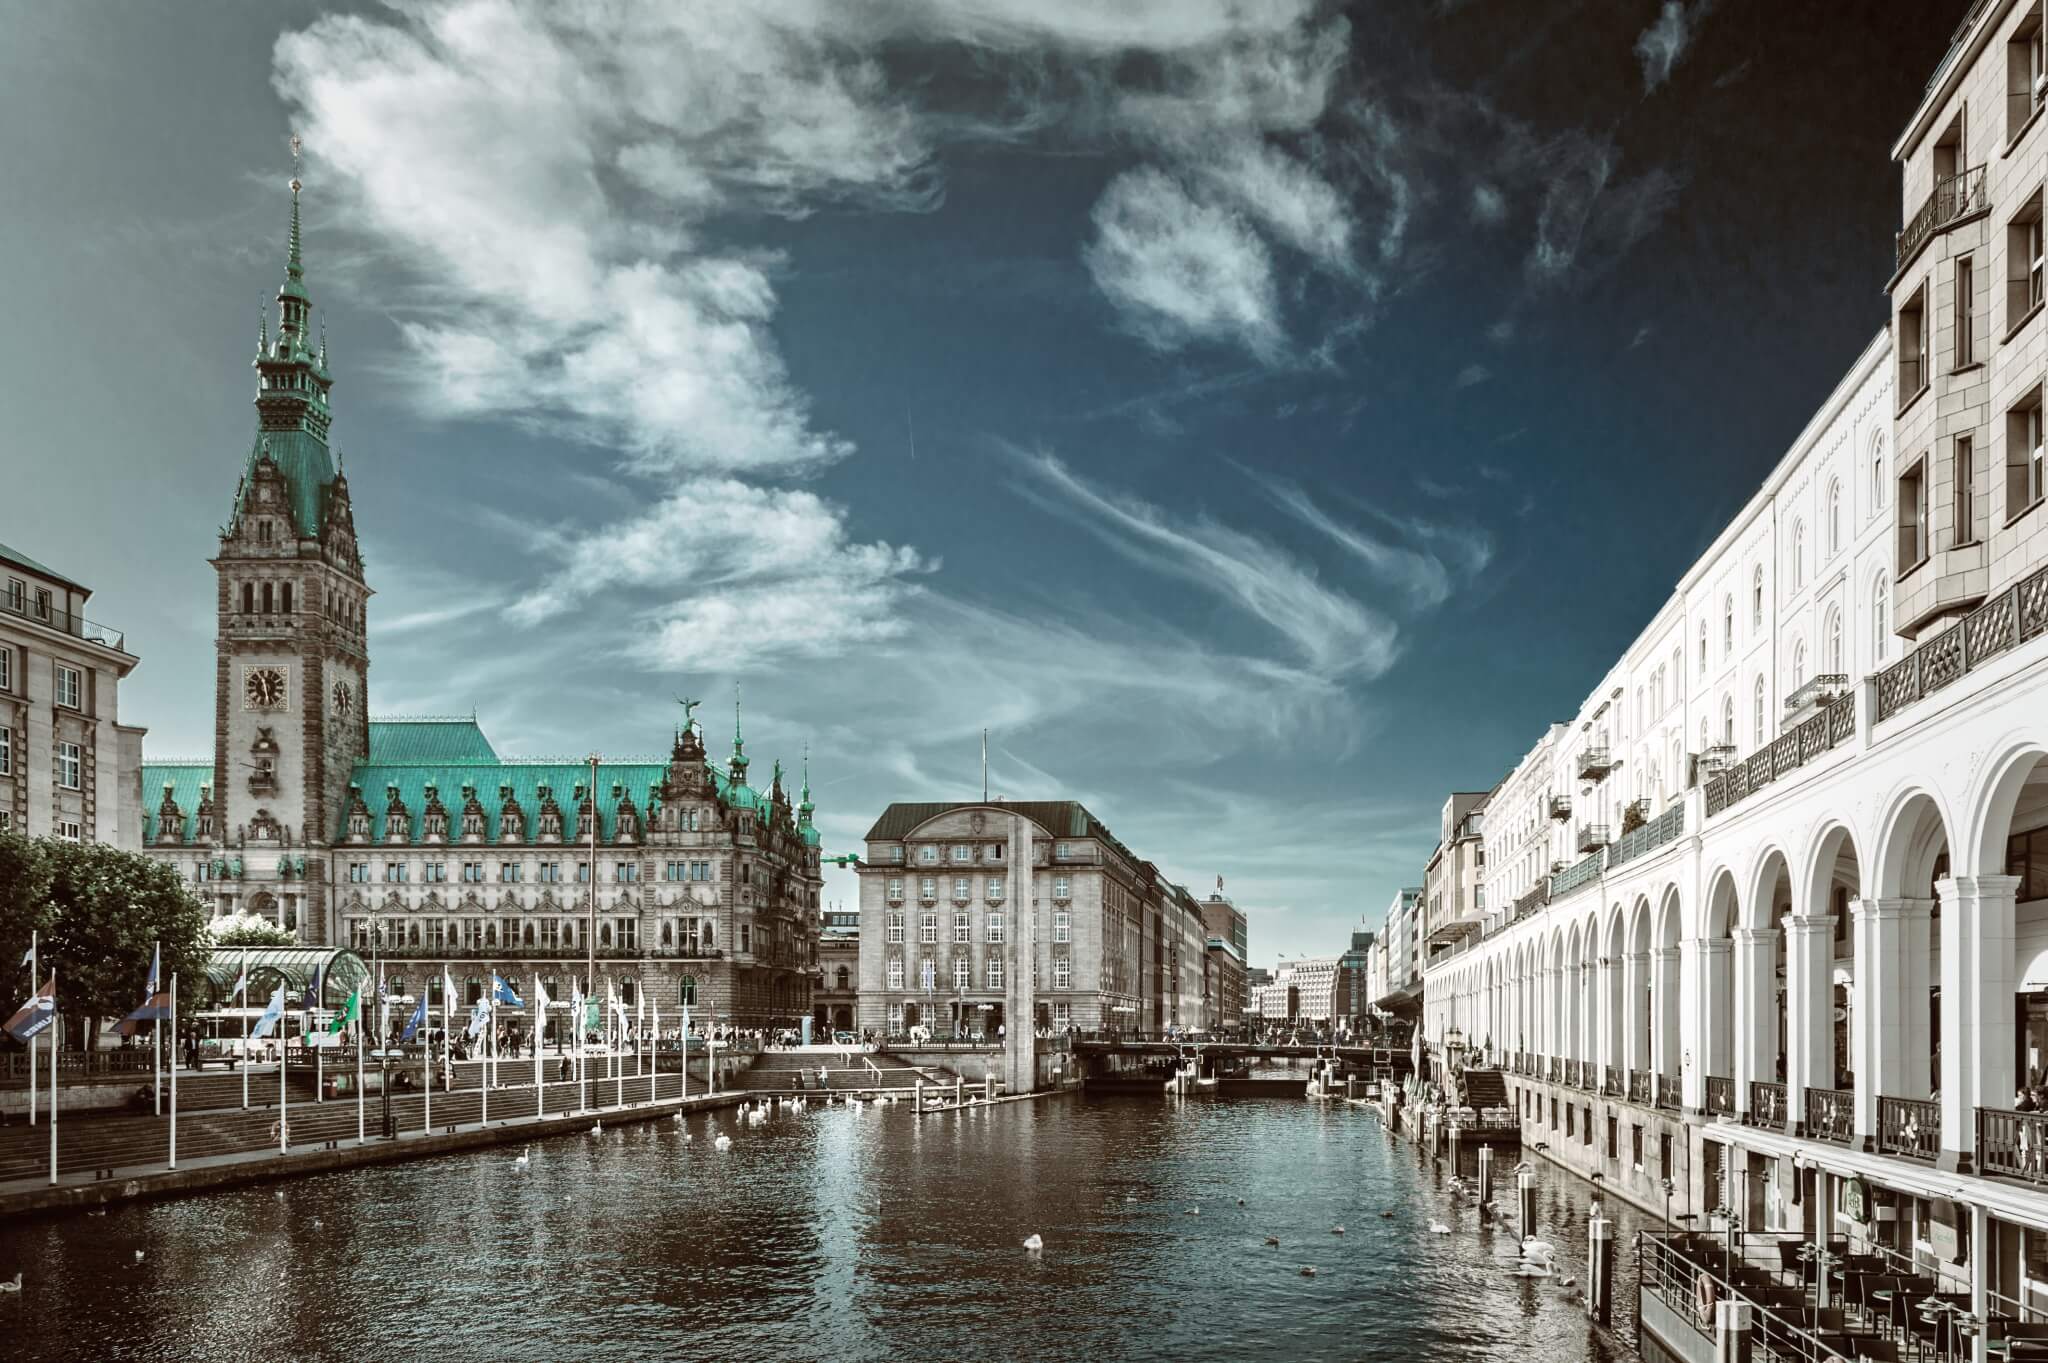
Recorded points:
2009,1203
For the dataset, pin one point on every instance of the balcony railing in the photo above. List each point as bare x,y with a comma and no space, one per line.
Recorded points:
1828,729
1831,1115
1955,196
1909,1127
2003,623
1652,835
1533,900
1667,1089
1593,837
1556,1075
1575,875
63,621
1639,1087
1561,808
1610,1081
2013,1144
1821,690
1767,1105
1595,762
1720,1094
1571,1074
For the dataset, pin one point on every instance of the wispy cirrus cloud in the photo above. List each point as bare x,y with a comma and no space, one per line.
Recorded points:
1660,46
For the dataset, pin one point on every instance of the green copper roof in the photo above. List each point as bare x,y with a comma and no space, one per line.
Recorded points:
308,471
429,741
13,555
184,779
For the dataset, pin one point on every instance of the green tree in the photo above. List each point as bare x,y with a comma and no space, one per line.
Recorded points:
24,909
109,912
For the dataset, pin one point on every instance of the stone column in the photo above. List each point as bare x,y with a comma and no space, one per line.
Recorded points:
1635,1040
1891,1005
1704,985
1809,1009
1668,1052
1611,1015
1020,1003
1978,975
1756,1009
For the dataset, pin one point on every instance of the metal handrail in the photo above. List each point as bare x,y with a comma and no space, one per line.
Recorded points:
1833,725
2001,624
1831,1115
1909,1126
1953,196
63,621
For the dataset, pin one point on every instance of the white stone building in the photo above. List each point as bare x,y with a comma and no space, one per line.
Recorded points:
69,768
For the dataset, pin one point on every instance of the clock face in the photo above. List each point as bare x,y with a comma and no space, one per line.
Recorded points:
344,699
263,688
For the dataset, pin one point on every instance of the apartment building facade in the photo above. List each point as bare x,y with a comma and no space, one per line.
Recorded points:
69,769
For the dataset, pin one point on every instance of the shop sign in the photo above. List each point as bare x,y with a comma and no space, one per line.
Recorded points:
1856,1200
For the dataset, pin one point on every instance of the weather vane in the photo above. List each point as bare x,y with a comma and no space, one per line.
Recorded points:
296,186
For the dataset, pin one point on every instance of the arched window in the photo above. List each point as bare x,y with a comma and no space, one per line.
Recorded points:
1727,625
839,979
1728,720
1759,712
1798,555
689,991
1703,648
1704,745
1756,597
1831,643
1877,479
1834,518
1798,665
1880,619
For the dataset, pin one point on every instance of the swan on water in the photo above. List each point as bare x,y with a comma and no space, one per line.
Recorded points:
14,1286
1240,1202
1532,1248
597,1129
1194,1211
724,1142
138,1256
1307,1272
1439,1228
316,1223
1033,1244
522,1161
1272,1239
1336,1230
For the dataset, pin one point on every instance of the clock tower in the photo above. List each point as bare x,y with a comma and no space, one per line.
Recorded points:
291,661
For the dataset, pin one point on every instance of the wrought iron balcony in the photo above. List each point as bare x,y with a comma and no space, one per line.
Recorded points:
1909,1126
2013,1144
1652,835
1720,1094
1639,1087
2004,622
1595,761
44,612
1822,690
1593,837
1668,1091
1830,728
1767,1105
1561,808
1831,1115
1533,900
1954,196
1611,1081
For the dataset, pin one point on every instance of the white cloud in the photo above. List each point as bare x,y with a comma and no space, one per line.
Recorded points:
1333,634
1489,205
1182,270
1425,577
1471,375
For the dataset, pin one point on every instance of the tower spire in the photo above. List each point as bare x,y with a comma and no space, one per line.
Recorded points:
294,267
739,744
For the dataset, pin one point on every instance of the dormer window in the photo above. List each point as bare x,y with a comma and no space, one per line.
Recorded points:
263,532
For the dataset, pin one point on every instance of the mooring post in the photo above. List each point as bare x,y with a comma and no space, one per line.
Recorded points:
1600,1269
919,1105
1731,1332
1525,1194
1485,1176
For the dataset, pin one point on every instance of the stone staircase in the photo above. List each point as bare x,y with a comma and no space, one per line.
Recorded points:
779,1072
1485,1089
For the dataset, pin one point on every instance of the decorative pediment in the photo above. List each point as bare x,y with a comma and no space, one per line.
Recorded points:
394,902
432,902
397,818
470,900
511,818
264,827
546,900
358,815
550,815
356,901
434,816
472,815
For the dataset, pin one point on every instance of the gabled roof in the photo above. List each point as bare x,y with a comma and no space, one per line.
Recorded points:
308,469
1060,818
184,779
431,740
524,777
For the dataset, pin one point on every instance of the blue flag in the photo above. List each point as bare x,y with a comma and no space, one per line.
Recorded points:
419,1015
505,993
37,1014
272,1011
479,1017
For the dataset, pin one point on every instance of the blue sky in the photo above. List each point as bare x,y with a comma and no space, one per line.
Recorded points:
1262,417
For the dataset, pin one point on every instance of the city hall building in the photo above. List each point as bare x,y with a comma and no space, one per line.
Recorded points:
415,841
1768,916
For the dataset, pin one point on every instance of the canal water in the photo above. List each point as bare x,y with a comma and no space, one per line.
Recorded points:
840,1233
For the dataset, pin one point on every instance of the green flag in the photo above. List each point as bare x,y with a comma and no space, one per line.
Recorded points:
350,1011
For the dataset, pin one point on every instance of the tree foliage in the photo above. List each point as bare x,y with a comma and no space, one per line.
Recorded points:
102,913
24,907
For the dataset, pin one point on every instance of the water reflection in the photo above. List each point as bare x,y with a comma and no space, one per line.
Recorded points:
839,1233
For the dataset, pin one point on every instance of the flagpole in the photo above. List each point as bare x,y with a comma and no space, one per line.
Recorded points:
174,1070
484,1074
654,1067
244,992
582,1072
34,973
685,1033
362,1115
156,1034
619,1061
56,1030
427,1067
447,1031
284,1099
540,1018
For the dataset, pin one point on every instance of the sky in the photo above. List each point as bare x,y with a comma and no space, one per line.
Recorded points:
1262,418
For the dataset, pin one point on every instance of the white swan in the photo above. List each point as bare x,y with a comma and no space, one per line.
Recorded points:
1336,1230
1532,1248
1194,1211
687,1138
1439,1228
138,1256
15,1286
1033,1244
1307,1272
724,1142
521,1162
598,1128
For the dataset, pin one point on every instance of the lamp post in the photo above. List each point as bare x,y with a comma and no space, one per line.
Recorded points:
1669,1188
